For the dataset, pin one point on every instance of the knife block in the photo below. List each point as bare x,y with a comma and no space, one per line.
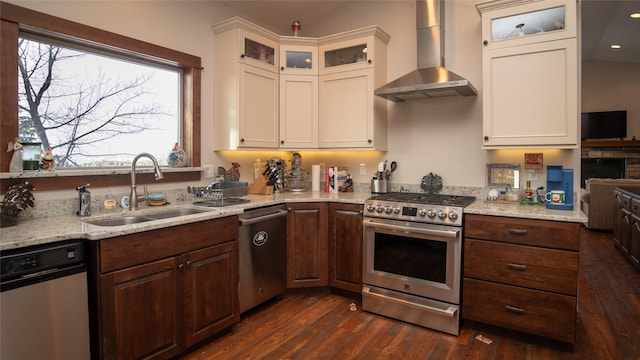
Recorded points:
260,187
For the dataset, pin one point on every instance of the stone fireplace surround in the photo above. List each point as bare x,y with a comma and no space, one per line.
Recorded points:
610,159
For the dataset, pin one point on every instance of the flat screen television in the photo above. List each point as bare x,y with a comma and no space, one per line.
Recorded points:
604,125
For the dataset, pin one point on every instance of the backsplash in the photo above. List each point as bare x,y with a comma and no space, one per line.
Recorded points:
60,207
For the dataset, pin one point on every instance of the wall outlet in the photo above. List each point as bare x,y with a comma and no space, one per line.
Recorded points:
209,172
363,169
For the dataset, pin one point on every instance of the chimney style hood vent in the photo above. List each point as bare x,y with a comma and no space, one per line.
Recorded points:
431,79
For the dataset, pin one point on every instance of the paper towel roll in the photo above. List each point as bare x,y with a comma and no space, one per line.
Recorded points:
315,177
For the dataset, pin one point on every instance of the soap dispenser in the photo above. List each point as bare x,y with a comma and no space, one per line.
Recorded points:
84,200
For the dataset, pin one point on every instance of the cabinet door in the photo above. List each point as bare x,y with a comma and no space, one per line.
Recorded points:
258,50
139,312
347,55
618,218
531,22
625,241
258,108
298,112
210,290
307,254
634,245
345,246
346,110
530,95
298,60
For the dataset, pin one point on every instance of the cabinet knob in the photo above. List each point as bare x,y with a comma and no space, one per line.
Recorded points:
369,141
189,262
181,267
485,43
281,68
242,56
486,138
289,209
242,140
281,142
369,61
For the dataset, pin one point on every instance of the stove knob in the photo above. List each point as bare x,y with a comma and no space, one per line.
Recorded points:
453,216
396,211
388,209
379,208
422,212
442,215
370,208
431,213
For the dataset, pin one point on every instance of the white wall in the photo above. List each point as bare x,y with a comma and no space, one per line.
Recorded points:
434,135
608,86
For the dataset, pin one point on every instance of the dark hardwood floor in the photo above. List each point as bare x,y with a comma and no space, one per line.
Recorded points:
319,325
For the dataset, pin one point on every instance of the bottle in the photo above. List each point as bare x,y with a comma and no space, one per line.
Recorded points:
528,193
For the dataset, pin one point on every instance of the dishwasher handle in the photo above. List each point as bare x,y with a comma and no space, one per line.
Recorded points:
274,215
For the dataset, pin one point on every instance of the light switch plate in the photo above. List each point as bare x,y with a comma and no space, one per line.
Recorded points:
209,172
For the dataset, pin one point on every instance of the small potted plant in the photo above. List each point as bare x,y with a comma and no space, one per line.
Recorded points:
17,198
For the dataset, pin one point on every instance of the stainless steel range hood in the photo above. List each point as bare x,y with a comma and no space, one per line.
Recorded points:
431,79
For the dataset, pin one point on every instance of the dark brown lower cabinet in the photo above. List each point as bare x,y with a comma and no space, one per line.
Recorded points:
522,274
626,224
307,254
345,246
159,292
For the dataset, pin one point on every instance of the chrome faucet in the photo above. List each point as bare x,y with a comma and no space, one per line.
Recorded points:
133,195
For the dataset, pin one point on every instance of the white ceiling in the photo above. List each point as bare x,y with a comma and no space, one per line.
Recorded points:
604,22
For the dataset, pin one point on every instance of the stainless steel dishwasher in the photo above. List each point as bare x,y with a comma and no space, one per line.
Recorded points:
43,302
263,255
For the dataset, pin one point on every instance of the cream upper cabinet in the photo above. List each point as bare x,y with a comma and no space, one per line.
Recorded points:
530,74
246,83
298,93
352,65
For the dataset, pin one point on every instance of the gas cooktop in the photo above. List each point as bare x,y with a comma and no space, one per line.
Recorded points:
418,207
423,198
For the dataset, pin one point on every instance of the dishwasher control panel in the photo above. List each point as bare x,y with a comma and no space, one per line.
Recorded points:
38,259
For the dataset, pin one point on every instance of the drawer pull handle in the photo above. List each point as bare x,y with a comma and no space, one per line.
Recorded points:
514,309
517,267
518,231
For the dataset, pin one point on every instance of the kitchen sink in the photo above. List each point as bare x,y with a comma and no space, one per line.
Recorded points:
136,219
174,213
119,221
221,202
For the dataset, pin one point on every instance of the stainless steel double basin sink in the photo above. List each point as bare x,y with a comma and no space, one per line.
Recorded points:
139,218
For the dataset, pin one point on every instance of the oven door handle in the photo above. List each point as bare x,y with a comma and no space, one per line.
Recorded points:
450,311
372,224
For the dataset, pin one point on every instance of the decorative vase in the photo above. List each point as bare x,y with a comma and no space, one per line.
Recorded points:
177,157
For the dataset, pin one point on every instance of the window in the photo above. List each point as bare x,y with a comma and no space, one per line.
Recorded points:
94,110
18,24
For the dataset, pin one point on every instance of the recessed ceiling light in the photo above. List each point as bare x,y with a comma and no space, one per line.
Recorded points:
635,16
615,46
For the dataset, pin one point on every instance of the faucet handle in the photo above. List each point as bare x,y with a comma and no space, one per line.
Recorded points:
82,188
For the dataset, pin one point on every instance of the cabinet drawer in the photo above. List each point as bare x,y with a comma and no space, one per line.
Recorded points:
532,267
635,206
531,311
134,249
552,234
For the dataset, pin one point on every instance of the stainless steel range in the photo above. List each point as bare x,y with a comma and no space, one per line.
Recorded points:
412,258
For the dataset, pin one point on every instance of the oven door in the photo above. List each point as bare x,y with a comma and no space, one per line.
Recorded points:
417,259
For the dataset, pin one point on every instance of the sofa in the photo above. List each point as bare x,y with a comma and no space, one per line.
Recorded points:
598,201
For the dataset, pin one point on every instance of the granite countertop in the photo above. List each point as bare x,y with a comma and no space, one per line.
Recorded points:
57,228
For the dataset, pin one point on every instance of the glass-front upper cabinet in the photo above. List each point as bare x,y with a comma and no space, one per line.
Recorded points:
526,22
363,48
348,55
299,56
257,50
